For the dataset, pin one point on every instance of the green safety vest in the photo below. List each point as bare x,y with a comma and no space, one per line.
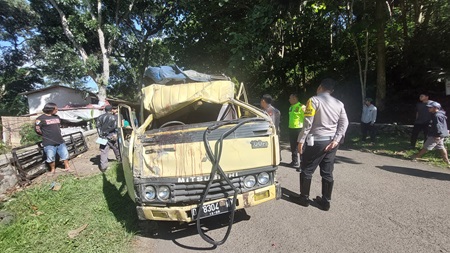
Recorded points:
296,116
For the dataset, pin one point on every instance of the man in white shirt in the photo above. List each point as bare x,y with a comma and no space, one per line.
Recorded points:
368,118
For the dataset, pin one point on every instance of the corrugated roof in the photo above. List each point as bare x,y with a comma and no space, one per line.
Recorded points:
53,87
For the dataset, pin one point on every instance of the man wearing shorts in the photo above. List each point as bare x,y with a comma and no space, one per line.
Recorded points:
437,132
48,125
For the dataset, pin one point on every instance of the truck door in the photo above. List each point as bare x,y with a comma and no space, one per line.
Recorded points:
126,128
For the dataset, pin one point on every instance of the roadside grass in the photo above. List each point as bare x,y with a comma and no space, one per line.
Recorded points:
394,145
43,217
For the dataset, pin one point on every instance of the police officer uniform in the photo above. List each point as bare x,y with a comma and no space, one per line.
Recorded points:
296,116
324,127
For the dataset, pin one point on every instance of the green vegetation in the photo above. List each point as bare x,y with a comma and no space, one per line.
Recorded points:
389,51
4,148
394,145
44,217
28,135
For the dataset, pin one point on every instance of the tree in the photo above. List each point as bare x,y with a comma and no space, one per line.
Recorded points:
17,71
78,20
380,18
141,45
98,37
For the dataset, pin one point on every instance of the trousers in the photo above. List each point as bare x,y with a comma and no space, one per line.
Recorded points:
367,128
314,156
104,150
415,133
293,136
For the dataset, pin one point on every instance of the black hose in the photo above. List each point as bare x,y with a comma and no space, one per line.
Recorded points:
216,168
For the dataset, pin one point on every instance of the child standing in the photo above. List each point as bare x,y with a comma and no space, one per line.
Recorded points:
437,132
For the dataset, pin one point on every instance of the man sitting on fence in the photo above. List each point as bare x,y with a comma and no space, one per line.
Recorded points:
48,125
107,130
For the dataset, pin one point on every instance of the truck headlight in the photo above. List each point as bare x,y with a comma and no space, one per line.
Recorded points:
249,181
150,192
263,178
163,192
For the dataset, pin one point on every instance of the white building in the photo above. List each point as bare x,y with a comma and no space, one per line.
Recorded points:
60,95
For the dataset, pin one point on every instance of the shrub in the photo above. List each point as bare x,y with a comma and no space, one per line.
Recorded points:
28,135
4,148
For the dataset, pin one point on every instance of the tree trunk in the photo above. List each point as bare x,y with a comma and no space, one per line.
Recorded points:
105,55
404,21
381,55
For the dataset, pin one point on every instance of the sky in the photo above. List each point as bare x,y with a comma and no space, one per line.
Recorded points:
92,85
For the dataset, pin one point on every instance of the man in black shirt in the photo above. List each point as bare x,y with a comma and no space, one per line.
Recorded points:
48,125
423,119
106,129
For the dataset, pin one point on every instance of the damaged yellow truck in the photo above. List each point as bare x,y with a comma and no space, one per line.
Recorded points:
200,152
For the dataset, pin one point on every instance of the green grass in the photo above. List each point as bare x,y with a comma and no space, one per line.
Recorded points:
99,201
395,145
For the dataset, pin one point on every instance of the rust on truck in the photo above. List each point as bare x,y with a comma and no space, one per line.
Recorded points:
200,152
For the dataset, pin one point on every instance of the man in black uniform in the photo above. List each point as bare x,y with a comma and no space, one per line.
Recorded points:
324,127
48,125
106,129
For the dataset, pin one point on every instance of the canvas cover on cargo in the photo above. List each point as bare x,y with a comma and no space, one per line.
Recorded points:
162,100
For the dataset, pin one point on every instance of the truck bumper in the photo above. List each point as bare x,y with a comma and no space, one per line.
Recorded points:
183,213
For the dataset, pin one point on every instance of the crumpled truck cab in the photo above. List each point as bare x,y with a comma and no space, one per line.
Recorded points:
200,152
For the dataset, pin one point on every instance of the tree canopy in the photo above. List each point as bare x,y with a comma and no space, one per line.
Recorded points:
388,50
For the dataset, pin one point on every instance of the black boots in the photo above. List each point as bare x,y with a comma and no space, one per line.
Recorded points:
305,186
324,201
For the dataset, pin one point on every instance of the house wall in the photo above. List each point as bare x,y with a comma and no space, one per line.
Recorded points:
58,95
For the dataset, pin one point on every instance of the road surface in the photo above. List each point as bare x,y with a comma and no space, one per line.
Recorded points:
380,204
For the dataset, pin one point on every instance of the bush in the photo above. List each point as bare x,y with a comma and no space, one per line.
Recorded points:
28,135
4,148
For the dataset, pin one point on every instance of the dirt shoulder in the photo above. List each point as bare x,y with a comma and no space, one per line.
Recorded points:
83,165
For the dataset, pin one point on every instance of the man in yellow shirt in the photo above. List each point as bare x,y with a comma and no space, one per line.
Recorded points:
296,116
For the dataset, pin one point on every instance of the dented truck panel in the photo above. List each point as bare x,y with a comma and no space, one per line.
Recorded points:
179,152
172,154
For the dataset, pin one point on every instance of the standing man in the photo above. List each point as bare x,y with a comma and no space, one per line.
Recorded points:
106,129
423,118
274,113
368,118
324,128
296,117
437,133
48,125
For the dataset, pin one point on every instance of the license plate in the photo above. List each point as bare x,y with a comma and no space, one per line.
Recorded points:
212,209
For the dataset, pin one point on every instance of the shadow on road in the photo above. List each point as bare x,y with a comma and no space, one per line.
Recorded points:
291,196
95,160
288,195
416,172
287,165
342,159
124,210
168,230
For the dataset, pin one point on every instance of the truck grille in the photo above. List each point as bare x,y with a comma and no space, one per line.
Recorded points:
193,192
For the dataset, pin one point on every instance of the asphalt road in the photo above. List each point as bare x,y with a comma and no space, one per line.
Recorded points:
380,204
